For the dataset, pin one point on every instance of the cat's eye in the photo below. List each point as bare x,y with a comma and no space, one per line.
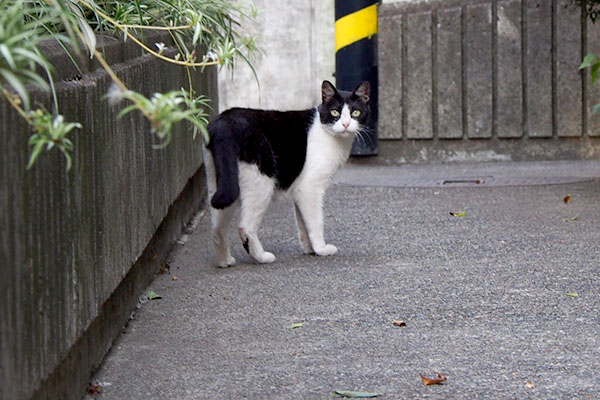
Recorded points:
356,113
335,113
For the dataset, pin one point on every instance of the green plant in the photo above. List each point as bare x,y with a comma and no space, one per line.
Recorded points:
19,50
193,24
168,109
50,132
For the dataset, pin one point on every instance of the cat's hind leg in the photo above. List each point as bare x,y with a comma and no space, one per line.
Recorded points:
220,224
256,191
220,219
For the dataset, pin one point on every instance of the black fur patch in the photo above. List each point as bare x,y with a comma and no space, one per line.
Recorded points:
275,141
246,246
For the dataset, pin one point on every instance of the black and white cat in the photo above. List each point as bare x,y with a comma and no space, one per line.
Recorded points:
254,153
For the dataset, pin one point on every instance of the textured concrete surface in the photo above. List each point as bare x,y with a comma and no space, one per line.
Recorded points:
297,40
504,300
68,238
490,73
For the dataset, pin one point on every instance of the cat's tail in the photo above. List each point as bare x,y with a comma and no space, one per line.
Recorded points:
224,151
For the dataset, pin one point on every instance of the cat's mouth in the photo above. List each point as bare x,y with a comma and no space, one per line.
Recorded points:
342,133
345,134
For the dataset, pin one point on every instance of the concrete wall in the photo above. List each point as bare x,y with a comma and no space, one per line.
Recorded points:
478,80
298,39
69,239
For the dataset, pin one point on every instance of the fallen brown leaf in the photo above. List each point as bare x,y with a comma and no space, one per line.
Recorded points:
94,388
530,385
436,381
567,199
164,269
399,323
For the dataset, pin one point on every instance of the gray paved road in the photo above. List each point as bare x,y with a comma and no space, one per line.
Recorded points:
504,301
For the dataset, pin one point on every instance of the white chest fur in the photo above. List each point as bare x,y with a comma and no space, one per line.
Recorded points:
326,152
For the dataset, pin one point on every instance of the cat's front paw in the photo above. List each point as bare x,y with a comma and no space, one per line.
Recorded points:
327,250
266,258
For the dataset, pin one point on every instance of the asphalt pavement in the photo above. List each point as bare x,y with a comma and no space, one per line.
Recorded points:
492,269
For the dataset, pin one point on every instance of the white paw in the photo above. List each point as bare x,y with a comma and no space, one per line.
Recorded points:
266,258
327,250
228,263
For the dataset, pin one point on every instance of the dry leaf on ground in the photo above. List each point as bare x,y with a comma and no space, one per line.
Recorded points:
567,199
435,381
164,269
94,388
399,323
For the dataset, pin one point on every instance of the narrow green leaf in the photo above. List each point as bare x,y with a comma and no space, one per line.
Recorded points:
587,61
36,79
197,32
595,71
357,395
127,110
572,294
69,160
37,149
294,325
459,214
153,295
30,55
17,85
4,50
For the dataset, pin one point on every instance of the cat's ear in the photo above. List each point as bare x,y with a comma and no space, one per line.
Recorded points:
328,91
362,91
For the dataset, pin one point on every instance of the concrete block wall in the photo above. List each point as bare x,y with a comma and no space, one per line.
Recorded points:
69,240
297,37
480,80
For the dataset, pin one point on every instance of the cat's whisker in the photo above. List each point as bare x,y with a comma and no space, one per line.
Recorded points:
365,132
360,137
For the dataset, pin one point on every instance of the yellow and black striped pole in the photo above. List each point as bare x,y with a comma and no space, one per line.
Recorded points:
356,59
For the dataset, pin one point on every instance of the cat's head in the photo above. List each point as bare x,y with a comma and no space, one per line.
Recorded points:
345,113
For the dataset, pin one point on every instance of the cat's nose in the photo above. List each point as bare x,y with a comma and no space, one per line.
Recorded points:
346,124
